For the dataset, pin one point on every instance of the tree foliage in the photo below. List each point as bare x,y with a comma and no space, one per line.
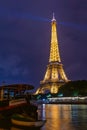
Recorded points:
74,88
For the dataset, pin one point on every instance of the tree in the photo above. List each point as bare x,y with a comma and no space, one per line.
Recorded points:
74,88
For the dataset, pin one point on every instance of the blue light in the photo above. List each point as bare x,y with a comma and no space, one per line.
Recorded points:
74,25
5,13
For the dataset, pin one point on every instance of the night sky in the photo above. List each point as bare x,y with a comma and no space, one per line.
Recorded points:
25,32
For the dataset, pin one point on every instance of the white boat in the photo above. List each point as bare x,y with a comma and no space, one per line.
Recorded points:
26,121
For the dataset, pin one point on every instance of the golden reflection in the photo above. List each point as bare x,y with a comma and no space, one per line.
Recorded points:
58,117
64,111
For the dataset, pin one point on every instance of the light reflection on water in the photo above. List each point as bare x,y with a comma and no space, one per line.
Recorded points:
60,117
64,117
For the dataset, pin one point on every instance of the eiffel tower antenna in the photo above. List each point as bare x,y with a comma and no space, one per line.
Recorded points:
55,75
53,17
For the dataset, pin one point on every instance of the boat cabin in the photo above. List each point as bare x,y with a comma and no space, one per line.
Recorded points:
13,91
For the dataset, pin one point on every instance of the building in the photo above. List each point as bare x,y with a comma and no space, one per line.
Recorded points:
55,75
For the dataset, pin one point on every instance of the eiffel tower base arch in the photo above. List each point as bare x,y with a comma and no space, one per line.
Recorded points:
51,87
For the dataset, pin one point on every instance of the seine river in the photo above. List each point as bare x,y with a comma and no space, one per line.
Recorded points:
61,117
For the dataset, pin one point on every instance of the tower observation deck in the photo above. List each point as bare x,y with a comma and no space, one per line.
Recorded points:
55,75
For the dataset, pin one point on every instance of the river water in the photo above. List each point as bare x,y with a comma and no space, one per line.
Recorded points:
64,117
60,117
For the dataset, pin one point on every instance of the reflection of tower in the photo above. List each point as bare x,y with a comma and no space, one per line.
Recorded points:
55,75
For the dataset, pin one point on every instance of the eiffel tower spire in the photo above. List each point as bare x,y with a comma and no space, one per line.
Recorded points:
54,51
55,75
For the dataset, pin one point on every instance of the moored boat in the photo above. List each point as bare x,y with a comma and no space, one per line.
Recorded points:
26,121
14,99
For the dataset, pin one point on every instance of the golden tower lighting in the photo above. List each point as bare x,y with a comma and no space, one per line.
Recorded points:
55,75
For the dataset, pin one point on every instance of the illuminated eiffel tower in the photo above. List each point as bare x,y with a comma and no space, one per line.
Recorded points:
55,75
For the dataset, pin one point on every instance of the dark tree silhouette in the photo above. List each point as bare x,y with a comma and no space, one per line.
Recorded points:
74,88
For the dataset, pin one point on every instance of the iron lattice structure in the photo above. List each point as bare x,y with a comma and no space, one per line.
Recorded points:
55,75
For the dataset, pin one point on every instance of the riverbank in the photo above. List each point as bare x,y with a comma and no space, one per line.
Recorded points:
57,102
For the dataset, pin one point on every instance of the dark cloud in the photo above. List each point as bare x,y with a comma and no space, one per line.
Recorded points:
25,38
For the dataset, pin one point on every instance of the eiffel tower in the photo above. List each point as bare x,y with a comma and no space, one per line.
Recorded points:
55,75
